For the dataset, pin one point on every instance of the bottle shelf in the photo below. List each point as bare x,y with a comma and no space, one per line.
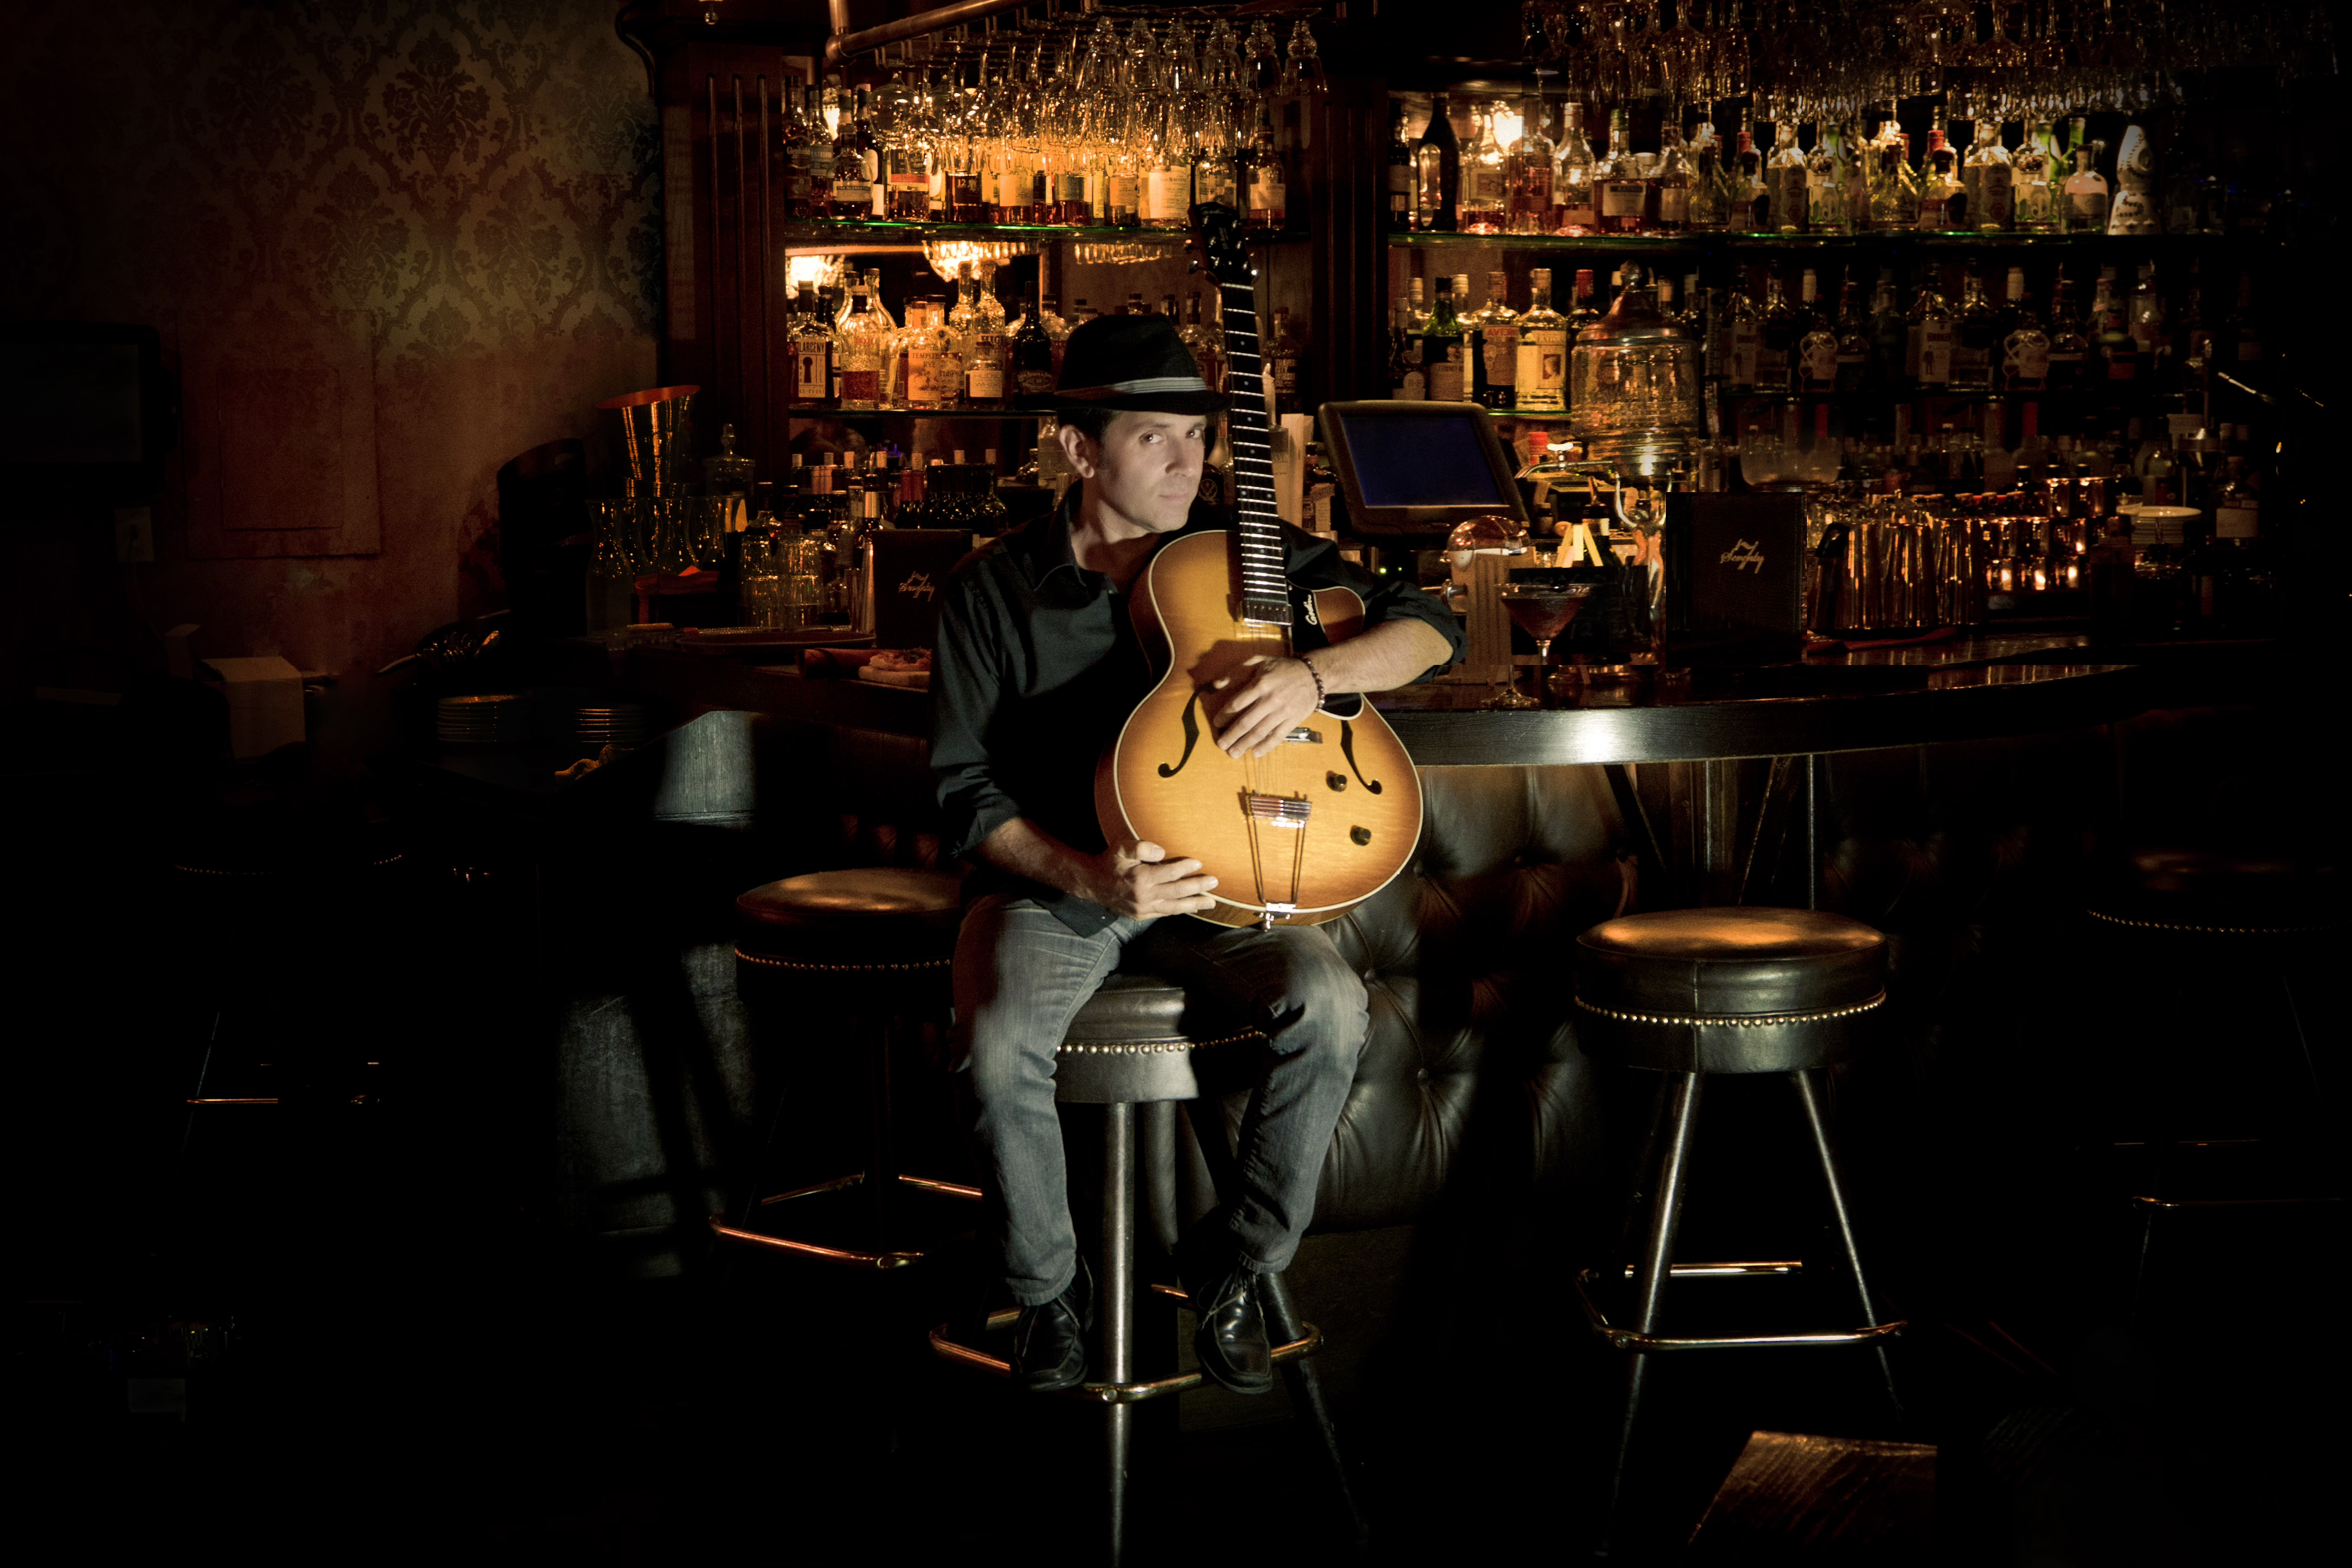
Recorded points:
1901,239
850,234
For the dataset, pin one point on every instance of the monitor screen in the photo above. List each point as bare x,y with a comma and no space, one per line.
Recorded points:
70,403
1422,460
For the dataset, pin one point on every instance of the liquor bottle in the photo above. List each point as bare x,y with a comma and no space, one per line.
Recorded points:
1894,190
2241,332
1400,172
984,344
1825,185
1853,330
1416,310
1540,379
1988,178
2033,198
906,179
1710,203
2118,353
1785,178
1750,202
1943,199
1976,336
2068,346
1622,196
1573,171
1817,348
2145,320
1672,191
1779,329
1693,318
811,346
934,359
2086,196
1527,174
1208,345
820,146
2025,351
1283,350
1437,170
858,349
1443,363
1496,368
875,307
1890,333
856,161
1928,349
795,141
964,316
727,472
1032,351
1744,341
1406,383
1485,192
1583,310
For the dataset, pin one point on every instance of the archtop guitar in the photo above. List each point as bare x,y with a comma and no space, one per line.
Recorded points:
1332,813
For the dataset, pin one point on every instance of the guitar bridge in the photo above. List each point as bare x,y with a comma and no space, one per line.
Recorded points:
1279,810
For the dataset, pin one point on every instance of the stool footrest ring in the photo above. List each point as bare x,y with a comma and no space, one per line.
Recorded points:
722,1226
948,1348
1629,1339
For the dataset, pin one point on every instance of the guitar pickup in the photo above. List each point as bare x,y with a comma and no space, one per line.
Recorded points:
1279,810
1303,736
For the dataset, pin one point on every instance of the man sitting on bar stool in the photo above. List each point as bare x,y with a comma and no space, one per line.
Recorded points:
1036,669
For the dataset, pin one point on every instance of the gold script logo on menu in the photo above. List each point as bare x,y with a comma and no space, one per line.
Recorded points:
1742,555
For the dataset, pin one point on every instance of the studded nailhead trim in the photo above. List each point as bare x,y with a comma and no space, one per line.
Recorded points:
1727,1020
2212,930
796,967
1150,1046
224,871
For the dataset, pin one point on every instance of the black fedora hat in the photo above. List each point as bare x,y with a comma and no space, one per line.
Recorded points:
1132,364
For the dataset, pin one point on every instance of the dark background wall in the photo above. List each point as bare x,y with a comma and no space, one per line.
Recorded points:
389,245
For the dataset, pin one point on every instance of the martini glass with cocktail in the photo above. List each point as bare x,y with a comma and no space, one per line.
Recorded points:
1543,610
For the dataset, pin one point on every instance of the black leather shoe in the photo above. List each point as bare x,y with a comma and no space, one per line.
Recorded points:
1230,1340
1049,1341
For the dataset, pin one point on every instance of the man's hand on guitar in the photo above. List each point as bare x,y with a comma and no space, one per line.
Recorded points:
1138,880
1268,703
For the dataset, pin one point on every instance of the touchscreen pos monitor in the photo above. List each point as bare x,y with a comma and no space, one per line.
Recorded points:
1416,469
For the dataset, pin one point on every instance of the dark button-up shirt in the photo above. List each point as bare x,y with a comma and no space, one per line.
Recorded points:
1038,668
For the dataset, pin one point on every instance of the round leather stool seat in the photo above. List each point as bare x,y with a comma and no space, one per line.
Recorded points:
1133,1043
2220,893
1728,990
876,918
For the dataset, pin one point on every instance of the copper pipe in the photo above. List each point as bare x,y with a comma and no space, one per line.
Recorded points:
844,43
767,349
743,203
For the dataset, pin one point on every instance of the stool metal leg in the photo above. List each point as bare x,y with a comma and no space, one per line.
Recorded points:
1118,1305
1307,1398
1282,1321
881,1163
1657,1259
1809,1095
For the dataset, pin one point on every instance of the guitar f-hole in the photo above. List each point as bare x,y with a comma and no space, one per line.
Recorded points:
1346,750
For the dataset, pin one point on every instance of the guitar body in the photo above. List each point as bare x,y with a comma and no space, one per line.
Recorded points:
1295,838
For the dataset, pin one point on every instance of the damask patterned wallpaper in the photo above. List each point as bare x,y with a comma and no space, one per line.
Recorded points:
390,244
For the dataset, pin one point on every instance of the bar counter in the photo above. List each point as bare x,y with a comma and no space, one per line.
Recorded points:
1963,688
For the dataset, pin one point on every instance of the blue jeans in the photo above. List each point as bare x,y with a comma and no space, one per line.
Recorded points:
1020,976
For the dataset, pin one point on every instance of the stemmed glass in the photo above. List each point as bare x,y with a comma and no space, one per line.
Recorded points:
1543,611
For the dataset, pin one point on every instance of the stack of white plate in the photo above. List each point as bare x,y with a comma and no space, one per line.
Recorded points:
490,720
592,725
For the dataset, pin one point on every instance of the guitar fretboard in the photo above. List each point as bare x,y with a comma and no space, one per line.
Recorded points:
1265,590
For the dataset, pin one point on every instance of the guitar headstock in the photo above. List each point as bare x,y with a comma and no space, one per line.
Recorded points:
1217,234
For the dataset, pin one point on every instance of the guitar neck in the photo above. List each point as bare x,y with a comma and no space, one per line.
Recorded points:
1265,590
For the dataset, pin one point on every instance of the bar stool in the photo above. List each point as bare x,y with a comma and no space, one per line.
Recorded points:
872,949
2262,921
1132,1044
1688,993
